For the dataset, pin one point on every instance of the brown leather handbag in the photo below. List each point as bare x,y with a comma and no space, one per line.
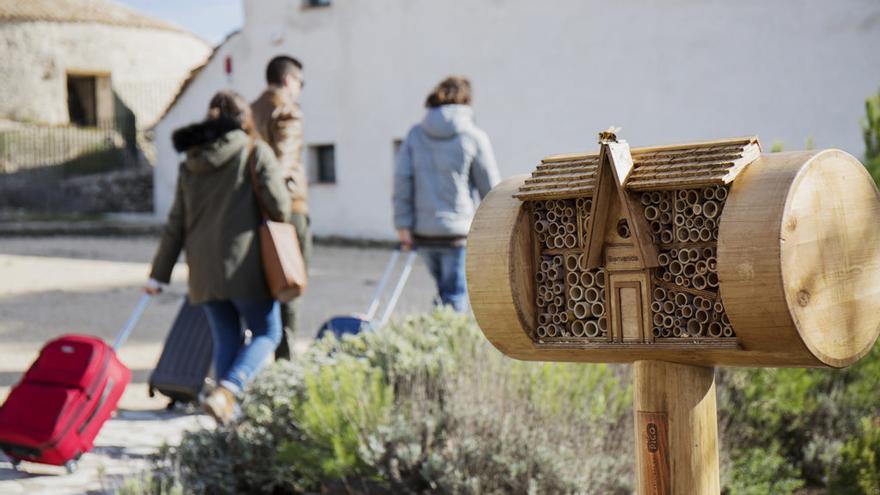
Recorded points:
282,257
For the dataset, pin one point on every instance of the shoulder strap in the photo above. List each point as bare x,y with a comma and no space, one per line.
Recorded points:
252,165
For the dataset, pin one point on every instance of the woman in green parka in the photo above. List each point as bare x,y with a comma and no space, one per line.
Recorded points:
214,218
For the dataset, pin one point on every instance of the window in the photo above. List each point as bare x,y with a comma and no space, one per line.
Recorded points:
323,164
318,3
89,99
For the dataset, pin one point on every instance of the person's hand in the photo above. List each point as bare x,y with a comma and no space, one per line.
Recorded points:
153,287
406,242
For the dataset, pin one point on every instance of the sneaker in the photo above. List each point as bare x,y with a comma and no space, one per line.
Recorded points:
220,404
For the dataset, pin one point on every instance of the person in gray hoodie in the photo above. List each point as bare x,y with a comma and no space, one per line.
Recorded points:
442,162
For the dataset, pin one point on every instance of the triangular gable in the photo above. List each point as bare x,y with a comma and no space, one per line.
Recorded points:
614,167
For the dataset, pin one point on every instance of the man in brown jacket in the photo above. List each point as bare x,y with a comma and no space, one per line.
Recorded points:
278,119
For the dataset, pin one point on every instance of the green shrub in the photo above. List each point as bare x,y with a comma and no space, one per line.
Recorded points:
871,135
858,472
760,470
425,405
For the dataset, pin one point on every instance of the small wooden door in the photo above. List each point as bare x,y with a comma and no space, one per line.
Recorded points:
630,307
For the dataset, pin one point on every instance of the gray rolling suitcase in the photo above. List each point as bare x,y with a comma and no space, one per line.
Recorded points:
186,358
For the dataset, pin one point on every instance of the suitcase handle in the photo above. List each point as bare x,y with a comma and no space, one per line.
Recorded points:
123,334
398,288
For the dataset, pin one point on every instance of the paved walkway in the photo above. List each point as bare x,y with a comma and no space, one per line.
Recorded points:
57,285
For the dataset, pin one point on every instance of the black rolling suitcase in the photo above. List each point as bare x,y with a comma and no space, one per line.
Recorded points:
186,358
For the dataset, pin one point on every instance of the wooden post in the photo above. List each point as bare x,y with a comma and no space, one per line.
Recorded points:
676,429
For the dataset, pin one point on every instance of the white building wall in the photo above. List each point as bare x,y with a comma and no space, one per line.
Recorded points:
146,66
547,76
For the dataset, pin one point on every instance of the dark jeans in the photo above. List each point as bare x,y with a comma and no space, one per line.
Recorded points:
289,310
234,362
446,265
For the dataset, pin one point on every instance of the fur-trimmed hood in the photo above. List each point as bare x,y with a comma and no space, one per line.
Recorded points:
210,145
202,133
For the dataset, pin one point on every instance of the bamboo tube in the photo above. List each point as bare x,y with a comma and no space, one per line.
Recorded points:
676,331
563,317
665,206
657,319
689,223
552,216
577,328
728,331
655,197
582,262
668,307
663,259
541,331
561,243
705,304
720,193
693,235
709,193
552,229
702,267
543,319
667,332
714,329
656,227
656,306
603,324
702,316
718,307
597,309
679,280
675,267
666,217
575,292
656,332
579,202
705,234
710,209
711,224
571,262
552,330
684,255
693,197
571,241
552,308
600,278
687,311
591,328
651,213
682,195
570,228
680,220
587,279
682,234
572,279
659,293
591,295
724,319
681,298
699,222
712,262
667,277
581,310
568,212
708,252
712,279
666,237
688,269
694,328
699,282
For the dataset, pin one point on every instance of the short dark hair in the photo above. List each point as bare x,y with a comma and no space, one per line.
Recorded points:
454,90
280,67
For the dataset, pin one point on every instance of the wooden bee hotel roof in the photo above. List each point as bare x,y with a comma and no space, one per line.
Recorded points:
654,168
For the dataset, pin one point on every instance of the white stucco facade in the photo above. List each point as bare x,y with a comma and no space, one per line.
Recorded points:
547,76
145,65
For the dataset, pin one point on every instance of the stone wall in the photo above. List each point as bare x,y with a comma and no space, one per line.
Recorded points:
146,66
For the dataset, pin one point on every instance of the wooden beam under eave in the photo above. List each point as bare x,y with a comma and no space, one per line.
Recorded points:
621,163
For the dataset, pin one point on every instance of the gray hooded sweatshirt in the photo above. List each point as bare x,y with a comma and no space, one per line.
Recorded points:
442,160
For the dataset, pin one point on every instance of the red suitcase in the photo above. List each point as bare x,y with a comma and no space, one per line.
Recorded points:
54,413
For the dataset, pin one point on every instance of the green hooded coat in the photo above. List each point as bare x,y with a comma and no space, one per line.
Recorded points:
215,214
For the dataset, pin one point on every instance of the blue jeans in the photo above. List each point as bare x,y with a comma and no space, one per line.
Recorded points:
234,362
446,265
